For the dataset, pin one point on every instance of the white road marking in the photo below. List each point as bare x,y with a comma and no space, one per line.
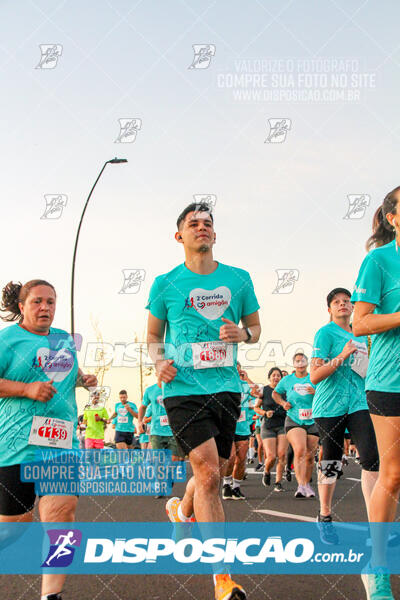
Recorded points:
277,513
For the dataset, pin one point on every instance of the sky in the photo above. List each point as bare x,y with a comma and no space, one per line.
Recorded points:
284,114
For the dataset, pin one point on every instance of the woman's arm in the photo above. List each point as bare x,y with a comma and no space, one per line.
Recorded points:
42,391
320,370
277,398
366,323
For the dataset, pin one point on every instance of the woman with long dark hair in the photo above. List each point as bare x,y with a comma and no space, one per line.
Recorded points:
377,312
39,373
272,430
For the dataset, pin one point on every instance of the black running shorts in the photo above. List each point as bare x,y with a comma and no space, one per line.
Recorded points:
16,497
196,419
385,404
124,437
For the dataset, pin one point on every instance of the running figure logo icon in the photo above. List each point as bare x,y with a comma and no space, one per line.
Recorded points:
63,543
209,199
50,54
128,129
286,280
357,206
203,54
132,280
278,129
55,203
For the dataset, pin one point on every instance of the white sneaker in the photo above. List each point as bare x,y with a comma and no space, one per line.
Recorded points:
309,491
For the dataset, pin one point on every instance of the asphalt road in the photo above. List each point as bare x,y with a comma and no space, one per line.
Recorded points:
348,506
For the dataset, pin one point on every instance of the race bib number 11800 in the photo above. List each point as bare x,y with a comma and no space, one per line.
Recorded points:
208,355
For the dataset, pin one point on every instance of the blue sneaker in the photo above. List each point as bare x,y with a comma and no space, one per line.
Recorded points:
327,531
377,584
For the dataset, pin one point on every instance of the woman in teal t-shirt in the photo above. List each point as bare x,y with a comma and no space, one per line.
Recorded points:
338,370
295,393
377,313
38,375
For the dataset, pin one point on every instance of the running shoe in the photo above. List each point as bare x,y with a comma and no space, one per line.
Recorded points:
357,460
278,487
309,491
226,492
377,584
345,462
259,467
288,475
266,480
172,511
250,461
327,531
301,492
237,494
54,597
227,589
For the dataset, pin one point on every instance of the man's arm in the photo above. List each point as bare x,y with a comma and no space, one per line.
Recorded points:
230,332
165,370
252,322
131,411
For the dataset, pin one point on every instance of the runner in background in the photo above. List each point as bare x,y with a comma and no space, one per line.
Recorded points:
161,436
340,402
272,430
301,431
39,373
124,412
80,431
256,391
377,312
289,463
236,466
144,438
95,418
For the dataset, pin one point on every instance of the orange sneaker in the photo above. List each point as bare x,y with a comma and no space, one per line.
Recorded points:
172,511
227,589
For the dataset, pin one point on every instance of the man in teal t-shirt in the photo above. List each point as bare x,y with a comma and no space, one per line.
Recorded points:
124,412
193,332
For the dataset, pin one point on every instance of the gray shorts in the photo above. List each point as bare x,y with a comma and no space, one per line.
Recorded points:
271,432
310,429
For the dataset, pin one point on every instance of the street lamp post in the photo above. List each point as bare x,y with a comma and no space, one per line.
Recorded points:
113,161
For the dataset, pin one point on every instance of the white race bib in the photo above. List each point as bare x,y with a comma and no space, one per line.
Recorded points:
122,419
164,420
305,414
360,359
242,416
208,355
55,433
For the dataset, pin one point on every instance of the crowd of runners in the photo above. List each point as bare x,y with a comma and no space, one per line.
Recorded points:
204,405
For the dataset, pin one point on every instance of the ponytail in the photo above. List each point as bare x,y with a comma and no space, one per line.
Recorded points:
15,293
382,231
9,301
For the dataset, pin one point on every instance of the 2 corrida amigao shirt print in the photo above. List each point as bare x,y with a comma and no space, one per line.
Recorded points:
192,305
